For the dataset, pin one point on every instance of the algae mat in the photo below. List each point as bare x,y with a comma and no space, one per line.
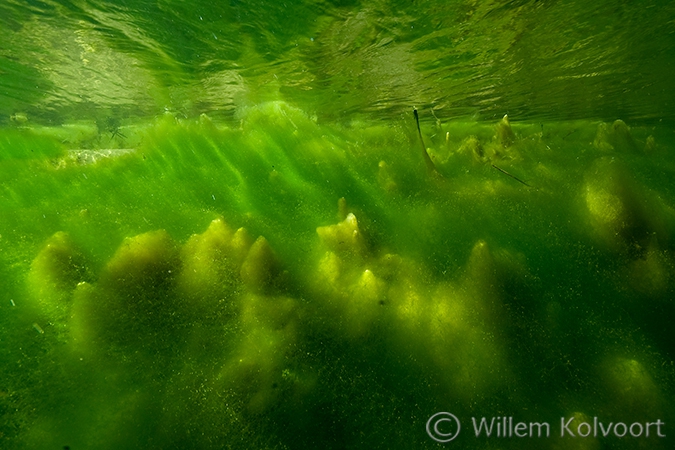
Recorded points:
288,284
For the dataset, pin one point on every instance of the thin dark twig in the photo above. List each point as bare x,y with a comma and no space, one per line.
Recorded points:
430,164
512,176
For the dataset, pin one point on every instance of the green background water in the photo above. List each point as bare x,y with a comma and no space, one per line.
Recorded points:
381,292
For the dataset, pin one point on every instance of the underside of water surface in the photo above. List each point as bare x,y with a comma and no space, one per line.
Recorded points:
223,226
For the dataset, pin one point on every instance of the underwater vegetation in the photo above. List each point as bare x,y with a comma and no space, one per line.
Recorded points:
283,283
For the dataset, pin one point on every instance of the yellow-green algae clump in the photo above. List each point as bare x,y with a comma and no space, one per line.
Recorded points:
281,325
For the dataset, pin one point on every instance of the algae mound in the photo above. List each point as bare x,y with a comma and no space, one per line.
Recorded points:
202,291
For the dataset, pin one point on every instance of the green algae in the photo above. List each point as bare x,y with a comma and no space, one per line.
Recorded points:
289,284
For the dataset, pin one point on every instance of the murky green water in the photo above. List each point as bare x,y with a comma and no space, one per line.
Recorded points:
221,228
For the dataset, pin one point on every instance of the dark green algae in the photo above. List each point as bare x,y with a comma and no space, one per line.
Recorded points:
280,283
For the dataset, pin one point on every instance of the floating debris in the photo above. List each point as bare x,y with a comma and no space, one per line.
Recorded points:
430,164
512,176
